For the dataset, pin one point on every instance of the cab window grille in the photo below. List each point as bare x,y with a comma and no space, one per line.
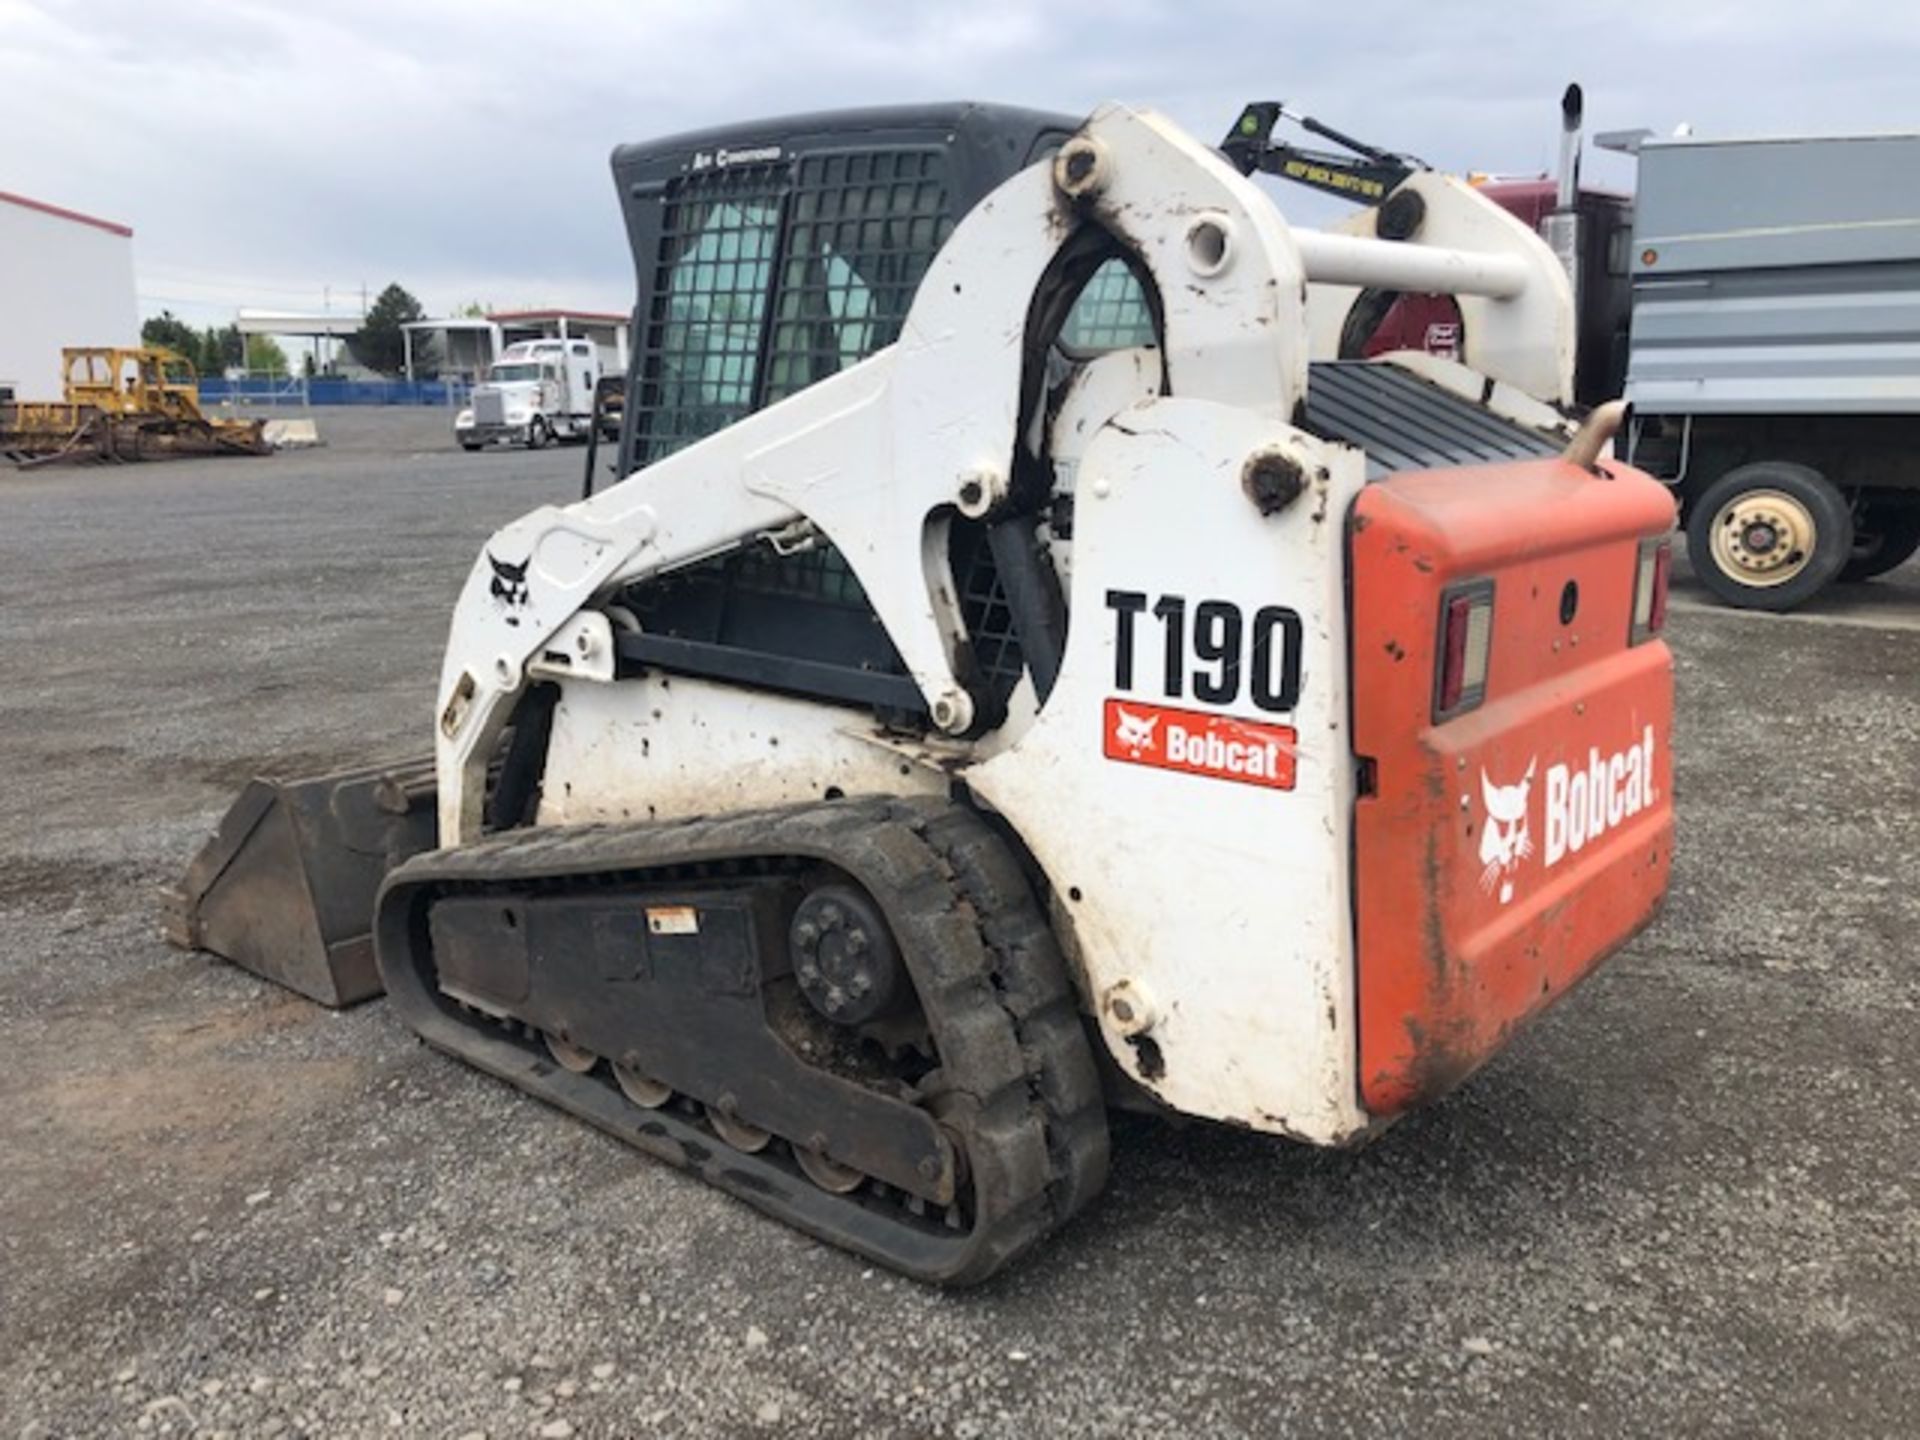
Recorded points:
1110,314
997,656
834,245
864,228
817,261
701,362
809,574
804,606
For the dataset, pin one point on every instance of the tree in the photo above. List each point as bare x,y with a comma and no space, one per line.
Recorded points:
379,343
170,332
264,355
220,350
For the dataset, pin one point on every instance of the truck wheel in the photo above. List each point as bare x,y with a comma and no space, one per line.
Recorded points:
1770,535
536,433
1884,538
469,445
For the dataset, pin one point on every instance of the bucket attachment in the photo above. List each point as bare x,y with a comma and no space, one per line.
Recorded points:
285,888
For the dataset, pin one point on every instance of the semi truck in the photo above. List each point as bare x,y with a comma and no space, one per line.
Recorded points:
537,391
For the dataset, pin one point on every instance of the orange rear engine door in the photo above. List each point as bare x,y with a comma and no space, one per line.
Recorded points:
1512,835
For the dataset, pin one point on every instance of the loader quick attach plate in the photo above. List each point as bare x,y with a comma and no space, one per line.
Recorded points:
662,948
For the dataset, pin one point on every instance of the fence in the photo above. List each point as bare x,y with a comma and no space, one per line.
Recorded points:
272,391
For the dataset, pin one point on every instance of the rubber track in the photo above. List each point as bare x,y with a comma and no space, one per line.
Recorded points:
984,962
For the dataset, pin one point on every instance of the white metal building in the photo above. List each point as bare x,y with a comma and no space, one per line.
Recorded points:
469,345
65,279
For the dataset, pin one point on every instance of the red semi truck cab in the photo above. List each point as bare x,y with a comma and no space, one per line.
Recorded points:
1431,323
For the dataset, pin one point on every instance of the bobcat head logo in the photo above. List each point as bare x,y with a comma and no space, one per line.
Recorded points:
509,589
1134,731
1505,840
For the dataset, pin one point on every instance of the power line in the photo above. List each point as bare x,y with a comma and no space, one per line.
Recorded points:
221,273
247,288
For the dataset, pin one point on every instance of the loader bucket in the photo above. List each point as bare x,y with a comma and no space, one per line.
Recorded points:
285,888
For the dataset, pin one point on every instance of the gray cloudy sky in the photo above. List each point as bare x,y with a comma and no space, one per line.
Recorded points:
264,152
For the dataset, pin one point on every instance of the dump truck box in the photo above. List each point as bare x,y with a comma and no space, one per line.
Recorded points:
1776,277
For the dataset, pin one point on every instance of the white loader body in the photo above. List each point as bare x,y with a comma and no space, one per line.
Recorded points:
874,460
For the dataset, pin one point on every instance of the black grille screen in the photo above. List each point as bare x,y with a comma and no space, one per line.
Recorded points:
709,304
997,657
813,264
846,236
805,606
865,227
1111,312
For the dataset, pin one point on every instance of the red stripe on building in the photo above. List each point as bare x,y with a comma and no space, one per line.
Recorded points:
62,214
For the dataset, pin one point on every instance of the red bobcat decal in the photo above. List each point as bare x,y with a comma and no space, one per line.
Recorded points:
1251,752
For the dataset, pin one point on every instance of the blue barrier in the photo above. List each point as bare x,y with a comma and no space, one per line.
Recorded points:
265,391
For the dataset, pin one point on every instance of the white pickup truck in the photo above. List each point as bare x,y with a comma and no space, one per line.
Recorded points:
538,390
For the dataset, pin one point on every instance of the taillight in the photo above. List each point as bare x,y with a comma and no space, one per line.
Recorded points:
1466,642
1650,590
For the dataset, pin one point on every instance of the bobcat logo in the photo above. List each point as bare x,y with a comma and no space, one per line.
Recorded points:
1134,731
1505,840
509,588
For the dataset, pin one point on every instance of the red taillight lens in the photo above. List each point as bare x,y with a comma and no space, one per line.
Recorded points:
1650,590
1466,641
1657,611
1453,655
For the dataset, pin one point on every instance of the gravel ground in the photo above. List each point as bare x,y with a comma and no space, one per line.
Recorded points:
1684,1202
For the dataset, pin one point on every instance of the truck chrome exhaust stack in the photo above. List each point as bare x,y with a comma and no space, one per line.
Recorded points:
1561,229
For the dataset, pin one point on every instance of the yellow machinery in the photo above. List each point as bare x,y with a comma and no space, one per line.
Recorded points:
131,404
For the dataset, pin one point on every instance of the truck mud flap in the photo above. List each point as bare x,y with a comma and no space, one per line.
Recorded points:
286,886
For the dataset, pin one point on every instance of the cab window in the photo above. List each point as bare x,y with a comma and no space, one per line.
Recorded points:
1111,313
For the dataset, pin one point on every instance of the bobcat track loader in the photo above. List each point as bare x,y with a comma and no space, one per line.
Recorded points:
1012,680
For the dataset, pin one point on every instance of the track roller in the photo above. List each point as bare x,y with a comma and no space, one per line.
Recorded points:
641,1088
748,1139
569,1056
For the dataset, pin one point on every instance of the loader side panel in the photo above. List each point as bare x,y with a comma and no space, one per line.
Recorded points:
1513,835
